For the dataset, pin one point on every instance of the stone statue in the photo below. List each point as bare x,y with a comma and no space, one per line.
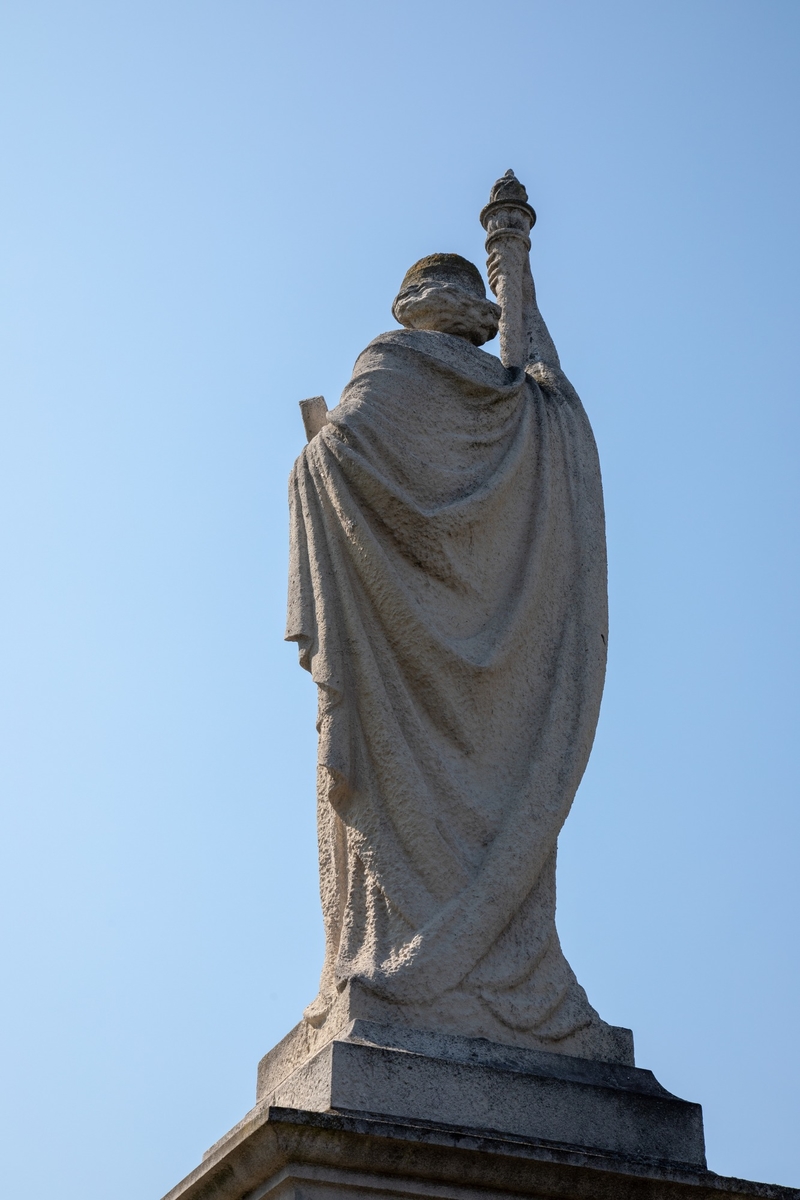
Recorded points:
448,595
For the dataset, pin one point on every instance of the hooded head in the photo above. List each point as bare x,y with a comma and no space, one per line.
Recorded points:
445,292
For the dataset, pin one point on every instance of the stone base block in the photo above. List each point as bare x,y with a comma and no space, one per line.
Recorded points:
282,1154
470,1082
612,1043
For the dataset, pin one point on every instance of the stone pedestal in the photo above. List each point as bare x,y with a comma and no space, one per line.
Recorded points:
473,1083
396,1112
286,1154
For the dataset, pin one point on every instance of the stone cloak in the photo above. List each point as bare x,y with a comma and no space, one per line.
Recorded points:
448,595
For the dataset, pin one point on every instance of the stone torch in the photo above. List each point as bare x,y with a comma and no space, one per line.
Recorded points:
508,219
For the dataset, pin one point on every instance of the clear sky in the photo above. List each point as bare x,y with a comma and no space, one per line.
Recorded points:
206,211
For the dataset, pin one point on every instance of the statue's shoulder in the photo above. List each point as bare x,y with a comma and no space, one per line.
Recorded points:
428,349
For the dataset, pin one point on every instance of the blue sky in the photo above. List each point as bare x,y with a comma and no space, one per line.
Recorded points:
206,212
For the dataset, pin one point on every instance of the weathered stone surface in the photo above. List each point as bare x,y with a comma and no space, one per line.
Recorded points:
461,1081
356,1003
283,1153
314,412
448,595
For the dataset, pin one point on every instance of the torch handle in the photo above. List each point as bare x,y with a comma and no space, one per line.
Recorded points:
507,248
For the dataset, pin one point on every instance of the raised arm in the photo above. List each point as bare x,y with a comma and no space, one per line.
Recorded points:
508,219
538,345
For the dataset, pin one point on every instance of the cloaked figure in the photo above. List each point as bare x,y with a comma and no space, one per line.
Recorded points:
448,595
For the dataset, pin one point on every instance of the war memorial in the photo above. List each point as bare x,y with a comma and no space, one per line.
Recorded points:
448,596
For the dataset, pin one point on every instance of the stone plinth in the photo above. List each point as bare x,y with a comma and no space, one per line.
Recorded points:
292,1155
397,1112
410,1074
357,1003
